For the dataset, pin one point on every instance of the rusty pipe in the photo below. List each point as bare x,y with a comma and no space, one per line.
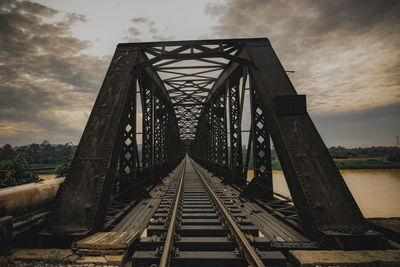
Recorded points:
21,199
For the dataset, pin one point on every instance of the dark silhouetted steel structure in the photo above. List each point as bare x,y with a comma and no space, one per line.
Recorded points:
191,97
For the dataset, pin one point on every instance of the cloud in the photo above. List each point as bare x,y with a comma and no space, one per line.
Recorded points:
148,27
47,86
345,53
140,20
133,31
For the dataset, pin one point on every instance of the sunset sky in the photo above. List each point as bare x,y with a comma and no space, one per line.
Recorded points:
345,54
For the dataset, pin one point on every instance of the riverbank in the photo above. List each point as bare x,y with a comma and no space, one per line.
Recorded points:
355,163
366,163
376,191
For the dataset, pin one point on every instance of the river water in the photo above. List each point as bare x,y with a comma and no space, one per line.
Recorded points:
377,192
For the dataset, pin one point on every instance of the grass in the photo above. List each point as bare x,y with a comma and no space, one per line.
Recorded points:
358,159
38,166
366,163
354,163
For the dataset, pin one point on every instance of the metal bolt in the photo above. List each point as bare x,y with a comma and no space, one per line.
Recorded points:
237,252
176,252
159,251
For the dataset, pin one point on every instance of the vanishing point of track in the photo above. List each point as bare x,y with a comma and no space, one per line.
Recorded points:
194,194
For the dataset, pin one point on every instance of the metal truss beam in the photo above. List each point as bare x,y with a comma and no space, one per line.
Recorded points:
236,159
319,192
184,87
261,185
129,159
94,165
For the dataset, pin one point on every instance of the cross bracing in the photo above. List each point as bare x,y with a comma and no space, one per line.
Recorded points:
189,73
192,96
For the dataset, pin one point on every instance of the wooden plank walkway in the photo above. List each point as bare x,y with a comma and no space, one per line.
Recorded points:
138,218
311,258
105,243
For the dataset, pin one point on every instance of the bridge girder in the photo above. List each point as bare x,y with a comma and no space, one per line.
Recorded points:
192,96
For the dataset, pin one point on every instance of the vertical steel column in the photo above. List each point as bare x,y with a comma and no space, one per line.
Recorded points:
148,127
236,158
212,142
221,134
199,145
204,138
224,137
157,134
175,147
164,138
215,146
129,155
261,146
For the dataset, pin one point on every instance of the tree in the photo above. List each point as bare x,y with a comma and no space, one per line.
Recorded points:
67,154
6,152
45,143
13,172
395,157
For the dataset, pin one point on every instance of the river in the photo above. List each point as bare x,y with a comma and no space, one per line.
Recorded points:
377,192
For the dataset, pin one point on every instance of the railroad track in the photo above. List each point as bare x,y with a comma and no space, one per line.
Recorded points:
197,225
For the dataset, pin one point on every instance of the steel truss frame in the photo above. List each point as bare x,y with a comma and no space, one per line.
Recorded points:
192,95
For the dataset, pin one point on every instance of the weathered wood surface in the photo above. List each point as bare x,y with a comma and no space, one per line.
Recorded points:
39,257
61,258
103,243
346,258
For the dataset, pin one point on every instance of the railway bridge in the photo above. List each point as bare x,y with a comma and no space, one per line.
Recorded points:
160,176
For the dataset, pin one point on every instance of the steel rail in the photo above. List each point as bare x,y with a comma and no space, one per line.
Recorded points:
251,256
169,240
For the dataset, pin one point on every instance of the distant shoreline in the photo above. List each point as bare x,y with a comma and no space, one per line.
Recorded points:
398,169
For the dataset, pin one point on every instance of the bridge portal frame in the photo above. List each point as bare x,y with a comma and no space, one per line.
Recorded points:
176,120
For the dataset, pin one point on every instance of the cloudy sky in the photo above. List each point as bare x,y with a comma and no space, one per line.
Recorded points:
345,54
